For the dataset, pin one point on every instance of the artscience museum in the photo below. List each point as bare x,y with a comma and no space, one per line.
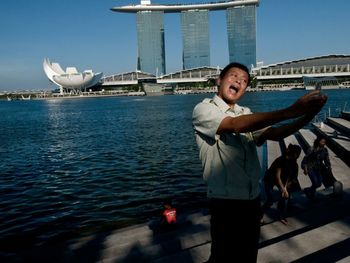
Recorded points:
70,81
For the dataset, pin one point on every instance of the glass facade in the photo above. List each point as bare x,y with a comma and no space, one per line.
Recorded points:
241,33
150,36
195,38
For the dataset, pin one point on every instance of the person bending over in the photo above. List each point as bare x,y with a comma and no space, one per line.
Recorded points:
282,173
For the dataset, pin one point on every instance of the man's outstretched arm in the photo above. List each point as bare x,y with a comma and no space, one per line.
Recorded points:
309,104
278,133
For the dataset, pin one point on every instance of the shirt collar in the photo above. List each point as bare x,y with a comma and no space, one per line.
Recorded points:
224,107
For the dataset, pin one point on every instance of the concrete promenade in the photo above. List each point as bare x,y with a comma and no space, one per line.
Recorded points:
317,231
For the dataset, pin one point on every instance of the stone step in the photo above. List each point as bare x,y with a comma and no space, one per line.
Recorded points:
340,124
311,246
308,232
147,242
337,141
345,115
273,151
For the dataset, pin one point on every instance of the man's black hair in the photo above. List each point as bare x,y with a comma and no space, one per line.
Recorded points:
294,148
235,65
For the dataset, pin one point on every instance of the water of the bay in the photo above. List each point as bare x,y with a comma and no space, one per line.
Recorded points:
74,167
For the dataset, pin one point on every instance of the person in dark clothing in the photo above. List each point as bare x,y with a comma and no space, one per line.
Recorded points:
317,166
282,173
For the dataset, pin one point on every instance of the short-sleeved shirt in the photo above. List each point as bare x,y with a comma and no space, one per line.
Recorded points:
230,162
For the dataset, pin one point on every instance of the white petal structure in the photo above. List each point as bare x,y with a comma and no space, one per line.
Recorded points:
70,80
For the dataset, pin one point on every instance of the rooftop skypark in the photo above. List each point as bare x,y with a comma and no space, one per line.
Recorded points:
175,8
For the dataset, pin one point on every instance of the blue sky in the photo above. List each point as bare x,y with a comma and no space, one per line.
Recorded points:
86,34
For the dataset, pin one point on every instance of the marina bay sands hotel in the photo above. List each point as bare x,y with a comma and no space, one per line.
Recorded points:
241,32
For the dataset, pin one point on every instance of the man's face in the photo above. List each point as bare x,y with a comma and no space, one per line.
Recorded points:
233,85
322,143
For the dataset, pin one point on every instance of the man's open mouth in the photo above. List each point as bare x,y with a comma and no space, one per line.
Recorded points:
234,88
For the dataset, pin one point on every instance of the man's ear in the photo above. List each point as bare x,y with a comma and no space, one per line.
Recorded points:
218,80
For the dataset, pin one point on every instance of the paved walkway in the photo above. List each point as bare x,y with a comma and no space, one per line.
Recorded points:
317,232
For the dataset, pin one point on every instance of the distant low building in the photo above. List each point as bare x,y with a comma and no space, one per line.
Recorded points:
70,81
298,73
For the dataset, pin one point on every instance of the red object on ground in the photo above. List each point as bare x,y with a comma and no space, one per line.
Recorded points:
170,215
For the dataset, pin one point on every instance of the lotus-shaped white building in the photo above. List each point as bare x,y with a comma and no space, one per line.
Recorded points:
70,81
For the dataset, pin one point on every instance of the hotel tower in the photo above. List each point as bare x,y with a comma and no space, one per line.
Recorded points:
241,32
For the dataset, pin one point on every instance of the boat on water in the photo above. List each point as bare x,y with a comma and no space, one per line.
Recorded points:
26,98
311,83
156,89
